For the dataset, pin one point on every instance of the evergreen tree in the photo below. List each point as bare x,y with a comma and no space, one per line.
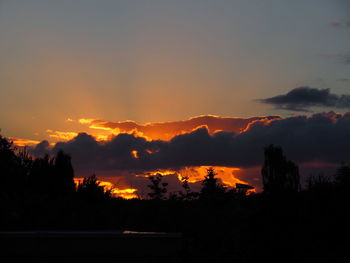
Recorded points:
211,189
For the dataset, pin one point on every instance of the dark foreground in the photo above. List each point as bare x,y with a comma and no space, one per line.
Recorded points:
306,227
59,246
44,217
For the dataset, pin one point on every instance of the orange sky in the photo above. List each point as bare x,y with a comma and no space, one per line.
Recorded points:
73,66
105,130
156,62
147,145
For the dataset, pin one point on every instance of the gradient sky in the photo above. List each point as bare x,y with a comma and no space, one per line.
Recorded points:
163,60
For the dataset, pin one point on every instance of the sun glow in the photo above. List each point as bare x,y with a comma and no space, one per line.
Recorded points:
135,154
86,121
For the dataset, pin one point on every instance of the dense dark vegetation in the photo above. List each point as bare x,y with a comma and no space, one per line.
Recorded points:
284,222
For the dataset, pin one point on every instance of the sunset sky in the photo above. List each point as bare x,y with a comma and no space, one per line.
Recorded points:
175,68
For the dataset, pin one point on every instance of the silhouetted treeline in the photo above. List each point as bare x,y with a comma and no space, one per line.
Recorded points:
284,223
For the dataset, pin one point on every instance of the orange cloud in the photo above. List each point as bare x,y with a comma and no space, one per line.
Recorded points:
85,121
167,130
135,154
23,142
104,130
61,136
264,122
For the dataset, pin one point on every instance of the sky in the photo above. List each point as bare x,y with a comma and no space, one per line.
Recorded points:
157,61
106,62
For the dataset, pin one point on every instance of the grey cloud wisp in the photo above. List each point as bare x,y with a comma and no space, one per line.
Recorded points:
304,98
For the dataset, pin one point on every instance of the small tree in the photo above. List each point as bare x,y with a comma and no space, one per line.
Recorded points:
158,189
210,187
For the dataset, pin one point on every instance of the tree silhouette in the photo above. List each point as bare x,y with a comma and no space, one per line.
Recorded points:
158,189
318,182
278,174
342,176
342,180
90,189
41,175
51,175
12,172
63,173
210,187
187,194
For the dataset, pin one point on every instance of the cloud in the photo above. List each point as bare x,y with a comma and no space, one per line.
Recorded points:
320,140
346,59
343,80
320,137
304,98
23,142
340,24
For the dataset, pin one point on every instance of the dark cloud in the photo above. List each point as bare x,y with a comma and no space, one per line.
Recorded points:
41,148
303,98
343,80
346,59
322,137
340,24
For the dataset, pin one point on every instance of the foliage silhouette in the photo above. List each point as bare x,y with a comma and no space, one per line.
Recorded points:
158,189
37,194
343,175
187,194
11,172
42,175
279,175
90,189
319,182
64,173
211,188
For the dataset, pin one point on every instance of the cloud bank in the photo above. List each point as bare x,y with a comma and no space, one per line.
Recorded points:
321,137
